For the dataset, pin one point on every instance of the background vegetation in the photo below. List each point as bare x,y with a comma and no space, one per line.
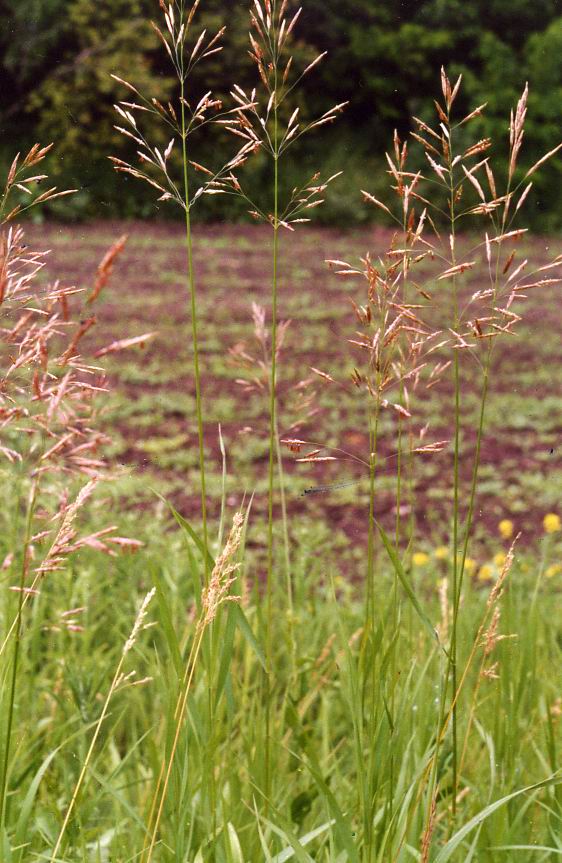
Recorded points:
56,57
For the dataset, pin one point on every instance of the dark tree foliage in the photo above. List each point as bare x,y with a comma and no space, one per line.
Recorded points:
32,40
383,57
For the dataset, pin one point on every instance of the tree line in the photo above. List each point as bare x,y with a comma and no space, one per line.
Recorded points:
384,56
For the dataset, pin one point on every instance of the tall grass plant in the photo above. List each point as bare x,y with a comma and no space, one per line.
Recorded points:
287,713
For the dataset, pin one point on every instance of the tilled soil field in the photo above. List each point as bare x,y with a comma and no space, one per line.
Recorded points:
151,409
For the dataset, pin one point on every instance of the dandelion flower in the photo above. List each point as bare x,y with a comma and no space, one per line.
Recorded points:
420,558
505,528
551,522
441,552
470,564
553,569
485,573
499,559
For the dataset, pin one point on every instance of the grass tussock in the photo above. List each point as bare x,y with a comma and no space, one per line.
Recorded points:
278,710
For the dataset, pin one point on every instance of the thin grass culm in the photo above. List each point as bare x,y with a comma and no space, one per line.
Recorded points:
216,594
406,344
185,51
175,180
120,680
274,129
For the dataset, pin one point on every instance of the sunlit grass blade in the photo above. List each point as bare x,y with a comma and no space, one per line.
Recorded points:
288,853
446,853
405,582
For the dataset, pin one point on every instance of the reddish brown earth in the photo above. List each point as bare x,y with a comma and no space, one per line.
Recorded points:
233,270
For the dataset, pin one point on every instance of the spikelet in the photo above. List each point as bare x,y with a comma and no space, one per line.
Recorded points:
497,589
222,576
139,621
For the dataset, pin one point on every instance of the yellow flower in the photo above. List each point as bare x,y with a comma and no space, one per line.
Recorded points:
499,559
485,573
420,558
441,552
554,569
505,528
470,564
551,522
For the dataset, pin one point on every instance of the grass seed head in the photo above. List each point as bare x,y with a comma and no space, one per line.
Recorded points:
139,621
497,589
222,576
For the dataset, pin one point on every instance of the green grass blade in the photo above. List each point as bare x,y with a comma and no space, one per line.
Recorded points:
525,848
21,834
341,827
287,853
225,646
448,850
246,630
399,570
5,847
234,846
185,525
167,623
286,835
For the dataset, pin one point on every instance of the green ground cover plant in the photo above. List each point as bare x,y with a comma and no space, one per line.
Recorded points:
252,684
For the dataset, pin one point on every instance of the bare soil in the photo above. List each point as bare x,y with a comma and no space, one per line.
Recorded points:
521,469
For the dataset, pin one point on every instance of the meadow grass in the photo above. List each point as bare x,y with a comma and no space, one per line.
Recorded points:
512,740
258,704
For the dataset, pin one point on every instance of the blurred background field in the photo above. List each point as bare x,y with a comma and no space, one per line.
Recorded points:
56,62
151,402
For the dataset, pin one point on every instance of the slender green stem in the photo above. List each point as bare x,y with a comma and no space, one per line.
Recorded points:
460,556
398,528
395,604
460,550
272,440
287,552
200,430
373,436
195,333
475,472
456,486
450,663
370,679
399,480
456,579
15,658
